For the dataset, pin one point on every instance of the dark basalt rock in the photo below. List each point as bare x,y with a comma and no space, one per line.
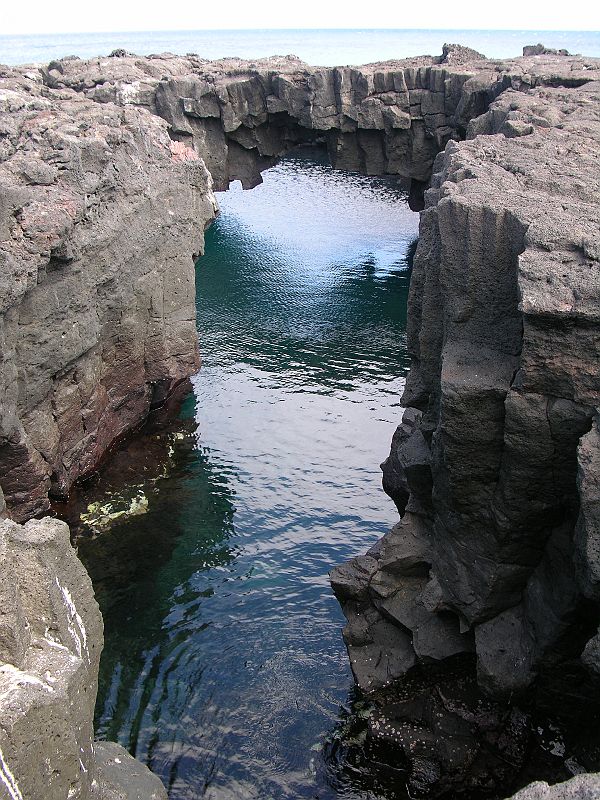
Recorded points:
121,53
540,50
106,183
435,734
488,457
395,479
504,337
396,617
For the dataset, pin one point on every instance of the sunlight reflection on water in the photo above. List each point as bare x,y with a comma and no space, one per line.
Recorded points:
224,667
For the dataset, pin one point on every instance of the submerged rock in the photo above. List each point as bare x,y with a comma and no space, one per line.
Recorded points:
435,734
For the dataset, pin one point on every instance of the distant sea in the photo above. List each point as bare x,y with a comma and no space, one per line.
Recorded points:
319,47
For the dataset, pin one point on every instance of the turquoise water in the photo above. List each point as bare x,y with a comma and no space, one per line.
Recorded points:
224,667
322,47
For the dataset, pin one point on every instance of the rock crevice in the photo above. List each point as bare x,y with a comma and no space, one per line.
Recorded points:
107,174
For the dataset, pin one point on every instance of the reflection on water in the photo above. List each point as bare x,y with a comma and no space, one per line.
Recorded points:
224,667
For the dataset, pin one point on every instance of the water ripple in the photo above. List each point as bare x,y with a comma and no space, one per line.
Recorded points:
224,667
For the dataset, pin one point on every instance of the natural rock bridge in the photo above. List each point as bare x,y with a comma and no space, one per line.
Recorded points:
107,176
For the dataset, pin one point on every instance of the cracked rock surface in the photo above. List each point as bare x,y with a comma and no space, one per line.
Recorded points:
100,215
496,461
581,787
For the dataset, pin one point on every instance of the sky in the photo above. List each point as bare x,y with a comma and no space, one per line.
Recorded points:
69,16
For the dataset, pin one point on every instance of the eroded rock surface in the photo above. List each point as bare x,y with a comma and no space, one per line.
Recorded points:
50,643
503,389
100,216
496,465
106,176
581,787
240,116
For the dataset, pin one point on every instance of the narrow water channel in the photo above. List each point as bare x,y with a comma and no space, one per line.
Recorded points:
209,540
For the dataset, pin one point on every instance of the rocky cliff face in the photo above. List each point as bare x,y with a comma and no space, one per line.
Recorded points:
495,465
503,334
100,218
106,194
240,116
106,176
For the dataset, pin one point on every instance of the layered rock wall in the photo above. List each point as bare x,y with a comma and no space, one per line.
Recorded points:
100,218
106,178
392,117
241,116
502,396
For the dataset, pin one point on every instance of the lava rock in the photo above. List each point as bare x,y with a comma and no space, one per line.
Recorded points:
122,777
50,643
581,787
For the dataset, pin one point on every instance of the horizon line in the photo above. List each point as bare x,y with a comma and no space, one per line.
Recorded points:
288,30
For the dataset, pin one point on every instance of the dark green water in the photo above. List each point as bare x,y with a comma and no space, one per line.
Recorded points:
224,667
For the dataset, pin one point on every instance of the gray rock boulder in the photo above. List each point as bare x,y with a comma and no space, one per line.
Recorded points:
396,616
119,776
50,643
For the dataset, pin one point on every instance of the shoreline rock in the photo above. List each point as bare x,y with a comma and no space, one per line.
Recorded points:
504,338
581,787
504,341
107,174
102,214
50,642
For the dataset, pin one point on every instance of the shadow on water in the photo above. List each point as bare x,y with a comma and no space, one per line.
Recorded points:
151,566
311,298
208,537
328,349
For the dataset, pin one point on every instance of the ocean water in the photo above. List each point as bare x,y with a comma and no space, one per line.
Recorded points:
318,47
209,541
